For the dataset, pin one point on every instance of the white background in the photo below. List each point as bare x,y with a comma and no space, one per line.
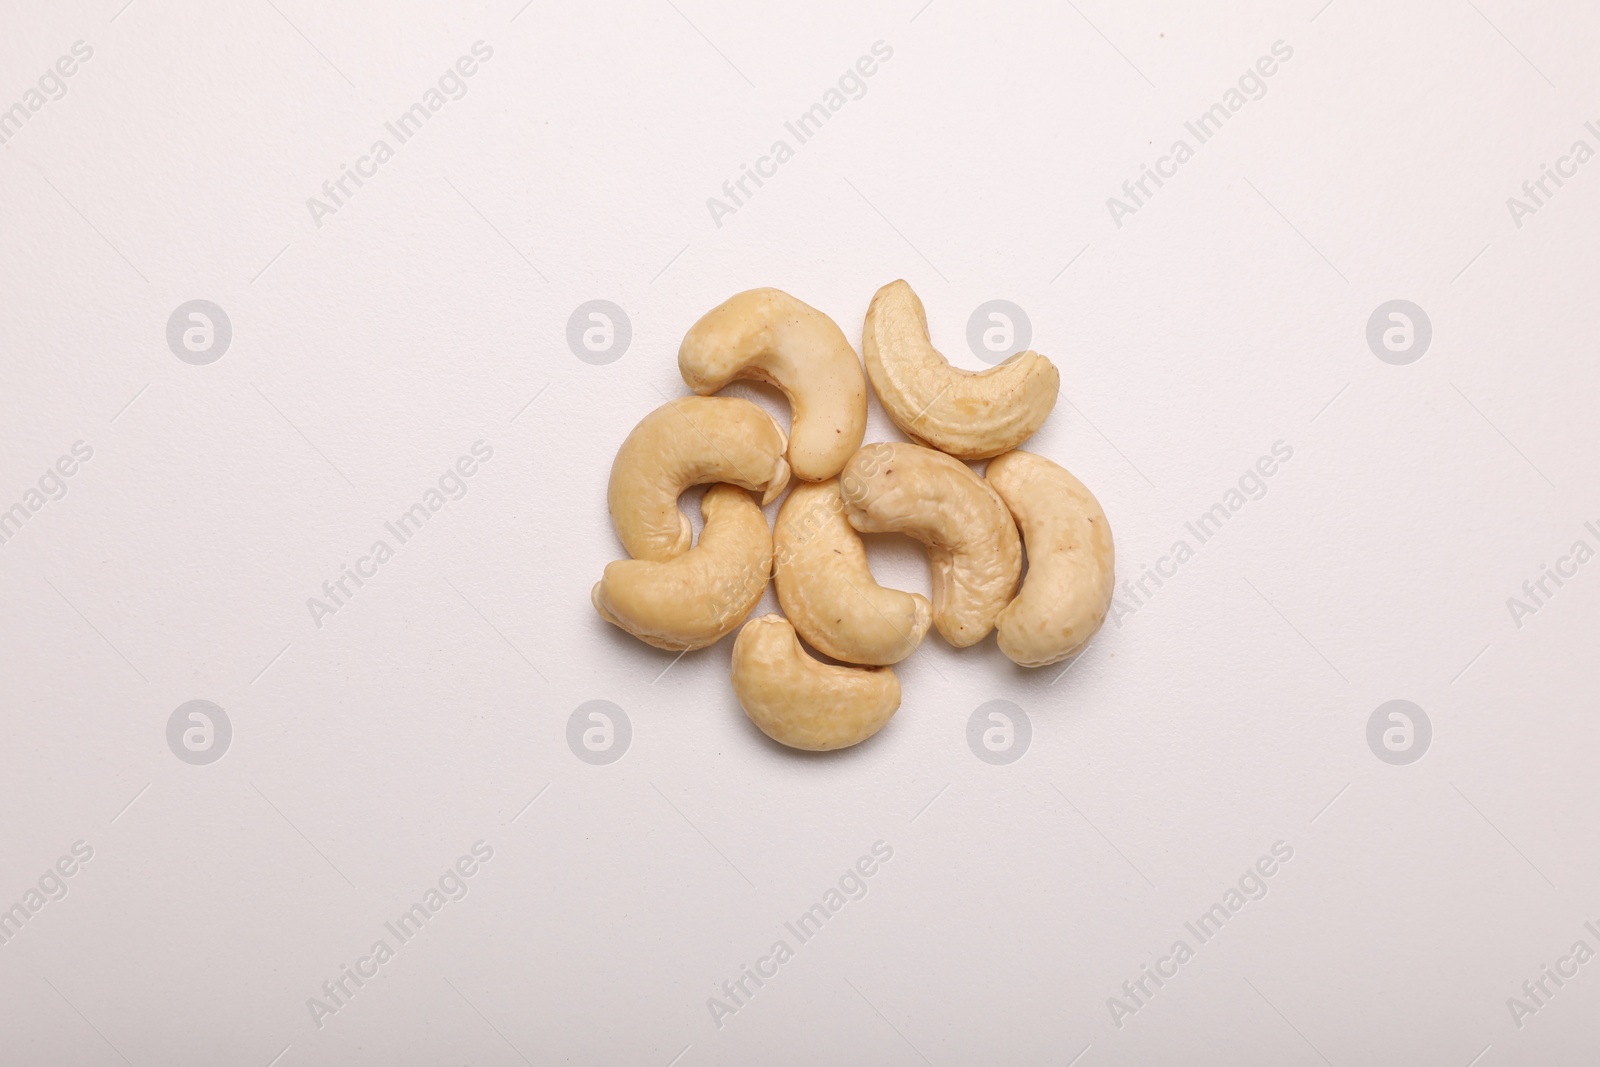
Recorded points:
1226,714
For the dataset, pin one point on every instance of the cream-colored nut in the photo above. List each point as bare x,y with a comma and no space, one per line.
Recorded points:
697,598
690,441
973,550
1068,589
801,702
825,588
768,335
969,415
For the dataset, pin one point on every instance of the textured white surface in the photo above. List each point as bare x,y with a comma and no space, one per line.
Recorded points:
1227,713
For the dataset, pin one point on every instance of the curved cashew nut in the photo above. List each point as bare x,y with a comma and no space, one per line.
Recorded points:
690,441
768,335
973,549
801,702
969,415
1068,589
699,597
826,589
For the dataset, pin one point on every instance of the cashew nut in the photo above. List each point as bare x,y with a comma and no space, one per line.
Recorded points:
968,415
973,550
1068,589
768,335
690,441
801,702
826,589
697,598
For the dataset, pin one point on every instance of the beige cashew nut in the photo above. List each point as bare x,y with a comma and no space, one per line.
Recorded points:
695,599
974,553
769,336
968,415
801,702
690,441
1071,560
826,589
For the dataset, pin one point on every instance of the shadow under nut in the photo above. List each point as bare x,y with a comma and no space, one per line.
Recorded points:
827,590
974,553
690,441
769,336
802,702
698,598
970,415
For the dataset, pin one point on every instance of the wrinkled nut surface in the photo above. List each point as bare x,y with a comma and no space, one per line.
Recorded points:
801,702
769,336
974,553
697,598
969,415
826,590
690,441
1068,589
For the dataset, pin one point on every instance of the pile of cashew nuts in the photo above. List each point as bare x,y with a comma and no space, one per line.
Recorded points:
679,596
